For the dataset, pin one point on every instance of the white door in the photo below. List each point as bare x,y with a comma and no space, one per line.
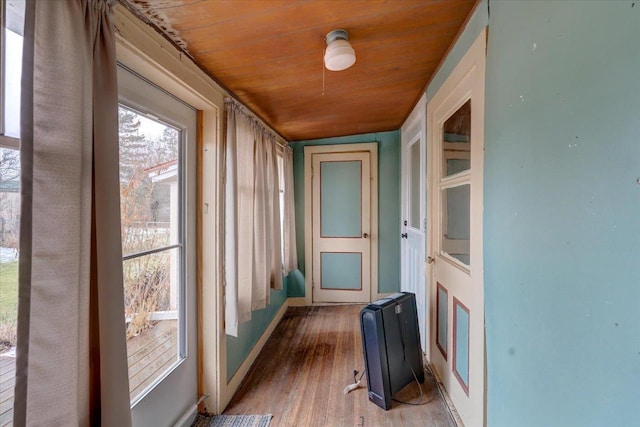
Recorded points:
342,226
157,197
456,138
413,225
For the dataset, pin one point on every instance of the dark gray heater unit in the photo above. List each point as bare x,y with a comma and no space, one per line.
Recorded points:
391,346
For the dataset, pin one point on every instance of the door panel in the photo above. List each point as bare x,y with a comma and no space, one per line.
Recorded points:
413,230
413,278
340,199
455,123
339,270
341,227
164,379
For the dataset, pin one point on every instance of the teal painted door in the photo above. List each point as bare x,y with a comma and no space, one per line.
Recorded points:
341,227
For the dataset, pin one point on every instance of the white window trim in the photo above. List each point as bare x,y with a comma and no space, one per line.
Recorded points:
140,101
9,142
150,55
5,141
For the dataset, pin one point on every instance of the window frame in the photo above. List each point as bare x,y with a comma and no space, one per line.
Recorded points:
5,141
143,105
282,197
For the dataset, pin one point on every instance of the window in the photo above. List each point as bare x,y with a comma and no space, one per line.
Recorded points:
152,241
455,186
12,16
414,184
11,31
157,177
9,229
281,197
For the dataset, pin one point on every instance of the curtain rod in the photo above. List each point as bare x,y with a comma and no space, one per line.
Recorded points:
255,118
229,93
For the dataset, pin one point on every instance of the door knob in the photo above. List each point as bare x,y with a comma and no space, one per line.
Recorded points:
365,235
430,260
404,235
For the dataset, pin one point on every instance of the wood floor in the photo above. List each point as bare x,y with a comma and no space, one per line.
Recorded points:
300,375
149,354
7,380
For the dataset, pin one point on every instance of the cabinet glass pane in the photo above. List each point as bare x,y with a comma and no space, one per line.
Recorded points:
456,141
456,215
341,199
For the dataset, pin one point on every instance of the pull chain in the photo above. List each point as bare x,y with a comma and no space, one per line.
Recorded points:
323,73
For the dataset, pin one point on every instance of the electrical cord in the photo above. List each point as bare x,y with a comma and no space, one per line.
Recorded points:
356,380
415,377
421,393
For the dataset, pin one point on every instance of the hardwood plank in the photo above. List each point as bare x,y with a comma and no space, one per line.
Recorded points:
300,375
141,342
6,406
163,356
6,418
6,392
7,382
7,372
149,353
153,370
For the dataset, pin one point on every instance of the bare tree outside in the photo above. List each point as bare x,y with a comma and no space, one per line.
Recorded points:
9,197
145,218
9,245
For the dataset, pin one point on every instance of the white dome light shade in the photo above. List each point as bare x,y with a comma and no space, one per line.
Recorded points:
339,54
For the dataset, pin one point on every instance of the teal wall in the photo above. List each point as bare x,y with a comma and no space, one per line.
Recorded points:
478,21
562,213
249,332
388,207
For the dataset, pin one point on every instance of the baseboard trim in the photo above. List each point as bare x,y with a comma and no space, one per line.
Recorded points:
453,412
237,378
302,301
187,419
297,302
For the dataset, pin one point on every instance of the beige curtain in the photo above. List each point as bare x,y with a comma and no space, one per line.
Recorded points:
71,366
290,261
253,261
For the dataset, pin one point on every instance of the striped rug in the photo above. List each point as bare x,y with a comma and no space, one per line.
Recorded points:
232,421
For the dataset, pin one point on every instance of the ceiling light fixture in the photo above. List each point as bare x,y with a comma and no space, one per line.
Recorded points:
339,54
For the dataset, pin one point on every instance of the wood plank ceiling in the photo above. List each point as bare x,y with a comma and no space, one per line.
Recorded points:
269,54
